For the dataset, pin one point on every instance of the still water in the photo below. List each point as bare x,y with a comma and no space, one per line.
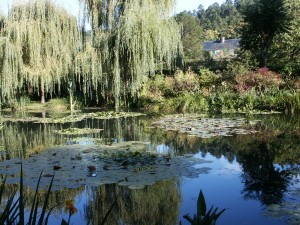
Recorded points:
255,177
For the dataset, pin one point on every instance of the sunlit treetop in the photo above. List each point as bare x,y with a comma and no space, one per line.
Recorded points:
133,39
39,44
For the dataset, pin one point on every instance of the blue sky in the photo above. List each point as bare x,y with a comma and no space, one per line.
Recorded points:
72,5
190,5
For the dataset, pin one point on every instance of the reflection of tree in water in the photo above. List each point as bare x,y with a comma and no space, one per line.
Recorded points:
277,142
20,139
257,155
57,199
156,204
262,180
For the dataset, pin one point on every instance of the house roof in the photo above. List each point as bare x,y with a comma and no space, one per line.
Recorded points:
218,45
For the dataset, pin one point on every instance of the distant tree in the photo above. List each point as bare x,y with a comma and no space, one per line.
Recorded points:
192,35
242,4
213,19
224,20
233,20
286,44
263,20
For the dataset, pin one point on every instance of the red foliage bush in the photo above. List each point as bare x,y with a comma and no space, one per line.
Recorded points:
261,80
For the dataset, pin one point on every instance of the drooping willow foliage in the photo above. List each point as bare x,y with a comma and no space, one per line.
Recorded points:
41,47
38,45
130,39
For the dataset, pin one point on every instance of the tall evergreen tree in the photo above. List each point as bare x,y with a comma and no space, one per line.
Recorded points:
192,35
263,20
286,44
217,21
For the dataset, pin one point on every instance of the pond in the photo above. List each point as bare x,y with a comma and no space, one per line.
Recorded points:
153,167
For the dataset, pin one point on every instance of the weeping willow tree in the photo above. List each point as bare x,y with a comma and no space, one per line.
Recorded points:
1,49
130,40
38,47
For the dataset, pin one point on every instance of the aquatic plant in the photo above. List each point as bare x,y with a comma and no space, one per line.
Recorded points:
71,210
204,217
14,207
14,210
77,131
198,125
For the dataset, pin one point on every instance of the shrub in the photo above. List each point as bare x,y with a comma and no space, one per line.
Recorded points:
208,78
186,82
156,88
261,80
58,104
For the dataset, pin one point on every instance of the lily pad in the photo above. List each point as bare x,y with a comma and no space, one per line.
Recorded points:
199,126
77,131
76,117
127,163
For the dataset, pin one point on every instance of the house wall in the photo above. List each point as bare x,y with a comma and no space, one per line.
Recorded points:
224,53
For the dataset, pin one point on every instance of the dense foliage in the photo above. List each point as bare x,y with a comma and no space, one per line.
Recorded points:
45,52
38,46
263,21
131,39
192,35
41,47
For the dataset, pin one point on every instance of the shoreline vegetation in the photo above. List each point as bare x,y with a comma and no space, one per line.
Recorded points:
190,92
147,64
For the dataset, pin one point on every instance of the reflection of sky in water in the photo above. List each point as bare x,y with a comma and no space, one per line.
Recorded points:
220,165
163,149
222,188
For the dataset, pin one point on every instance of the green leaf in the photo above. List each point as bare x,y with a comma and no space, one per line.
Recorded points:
46,201
201,205
33,211
188,218
219,214
63,222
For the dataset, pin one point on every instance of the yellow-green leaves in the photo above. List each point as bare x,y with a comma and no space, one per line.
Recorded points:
38,46
134,38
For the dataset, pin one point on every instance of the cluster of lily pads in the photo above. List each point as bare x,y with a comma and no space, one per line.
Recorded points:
200,126
290,211
74,117
77,131
127,163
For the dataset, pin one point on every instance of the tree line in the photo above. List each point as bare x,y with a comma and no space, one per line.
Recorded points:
269,31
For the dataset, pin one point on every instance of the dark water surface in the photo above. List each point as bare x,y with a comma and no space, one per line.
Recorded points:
254,176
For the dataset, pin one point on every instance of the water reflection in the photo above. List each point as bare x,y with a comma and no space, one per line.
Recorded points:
154,205
262,180
266,159
21,139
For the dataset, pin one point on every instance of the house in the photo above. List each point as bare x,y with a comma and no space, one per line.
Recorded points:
221,49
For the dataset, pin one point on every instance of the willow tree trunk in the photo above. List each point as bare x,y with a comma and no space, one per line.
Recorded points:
42,90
